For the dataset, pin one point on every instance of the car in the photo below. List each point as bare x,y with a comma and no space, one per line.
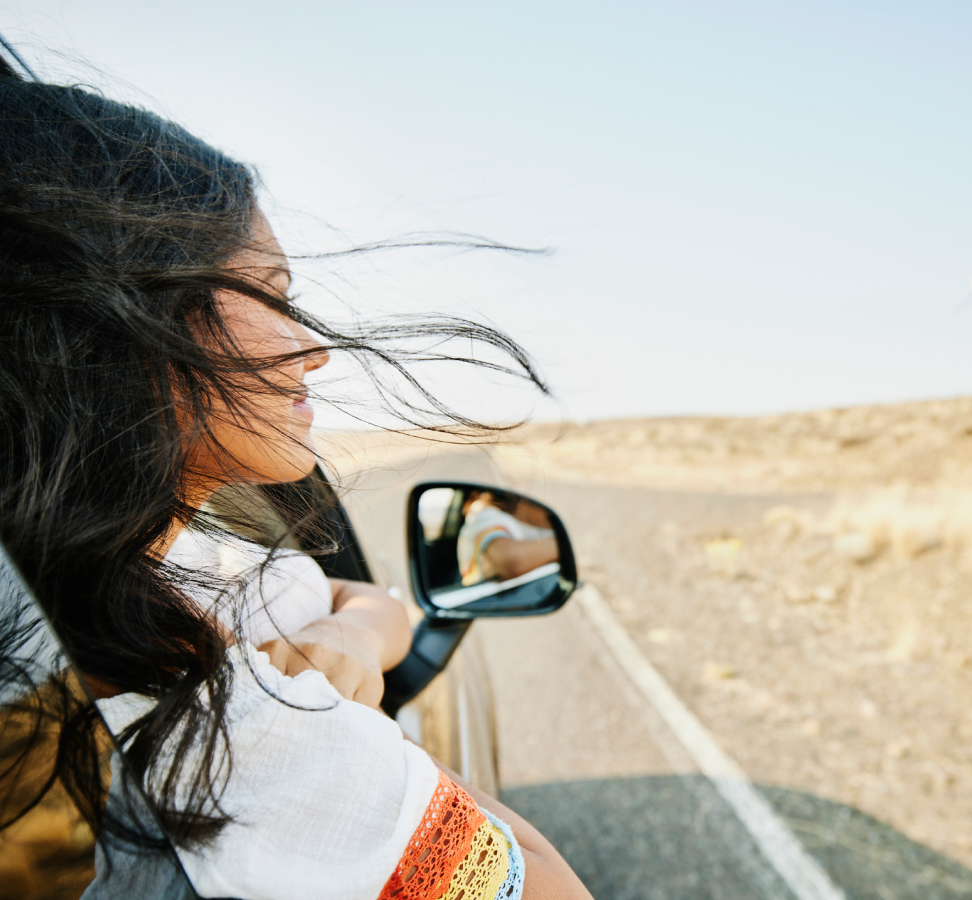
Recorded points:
439,694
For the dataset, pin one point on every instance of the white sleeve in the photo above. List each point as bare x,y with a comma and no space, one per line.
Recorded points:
287,595
325,798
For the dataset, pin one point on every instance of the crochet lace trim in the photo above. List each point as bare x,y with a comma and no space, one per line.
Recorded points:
512,887
484,867
439,844
457,853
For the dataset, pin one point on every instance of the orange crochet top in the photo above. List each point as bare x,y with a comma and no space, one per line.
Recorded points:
457,853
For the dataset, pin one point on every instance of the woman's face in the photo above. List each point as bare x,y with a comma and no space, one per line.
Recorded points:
267,438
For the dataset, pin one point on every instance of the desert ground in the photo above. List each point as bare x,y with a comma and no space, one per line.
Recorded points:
803,582
830,644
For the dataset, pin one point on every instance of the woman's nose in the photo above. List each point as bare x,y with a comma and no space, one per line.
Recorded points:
318,355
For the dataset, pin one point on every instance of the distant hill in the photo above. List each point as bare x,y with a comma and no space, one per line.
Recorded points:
926,444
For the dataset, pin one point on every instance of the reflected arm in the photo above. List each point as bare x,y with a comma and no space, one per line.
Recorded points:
507,558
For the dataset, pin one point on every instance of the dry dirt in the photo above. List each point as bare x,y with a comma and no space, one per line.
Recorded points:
922,445
804,581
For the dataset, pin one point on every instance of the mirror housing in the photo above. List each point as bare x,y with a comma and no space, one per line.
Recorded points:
452,590
451,526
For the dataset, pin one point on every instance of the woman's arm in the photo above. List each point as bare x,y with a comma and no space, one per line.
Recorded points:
547,876
508,558
374,609
368,634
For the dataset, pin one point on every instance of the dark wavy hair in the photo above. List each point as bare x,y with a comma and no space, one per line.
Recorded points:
115,232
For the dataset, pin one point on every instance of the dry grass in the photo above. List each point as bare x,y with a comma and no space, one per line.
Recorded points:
922,444
904,523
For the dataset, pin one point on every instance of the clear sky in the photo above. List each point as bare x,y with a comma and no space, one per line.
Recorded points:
754,206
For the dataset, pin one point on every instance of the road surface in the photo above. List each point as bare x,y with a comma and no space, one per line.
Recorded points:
588,757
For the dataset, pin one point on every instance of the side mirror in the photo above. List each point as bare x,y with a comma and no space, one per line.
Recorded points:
476,550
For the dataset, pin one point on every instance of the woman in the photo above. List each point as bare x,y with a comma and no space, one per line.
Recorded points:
494,543
151,356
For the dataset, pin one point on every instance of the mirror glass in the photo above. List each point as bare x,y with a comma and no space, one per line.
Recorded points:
481,548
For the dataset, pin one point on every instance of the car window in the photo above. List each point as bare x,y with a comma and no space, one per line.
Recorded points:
264,513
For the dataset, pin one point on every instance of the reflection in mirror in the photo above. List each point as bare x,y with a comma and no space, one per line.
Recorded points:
480,544
47,843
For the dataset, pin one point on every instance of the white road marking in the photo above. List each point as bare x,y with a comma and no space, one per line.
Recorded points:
801,873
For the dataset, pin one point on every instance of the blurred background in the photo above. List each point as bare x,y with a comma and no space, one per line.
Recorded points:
754,314
754,207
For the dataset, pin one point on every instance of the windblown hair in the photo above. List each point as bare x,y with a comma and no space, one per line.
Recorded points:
116,228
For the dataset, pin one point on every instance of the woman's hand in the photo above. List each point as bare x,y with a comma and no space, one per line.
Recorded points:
368,634
349,655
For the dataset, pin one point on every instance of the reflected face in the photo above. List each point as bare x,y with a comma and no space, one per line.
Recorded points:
266,438
482,498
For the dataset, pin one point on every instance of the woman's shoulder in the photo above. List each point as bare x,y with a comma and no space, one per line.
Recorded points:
278,592
231,555
489,517
193,549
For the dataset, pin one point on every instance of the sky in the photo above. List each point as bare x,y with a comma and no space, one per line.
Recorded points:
750,207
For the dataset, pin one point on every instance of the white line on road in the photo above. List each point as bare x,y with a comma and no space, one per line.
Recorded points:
802,874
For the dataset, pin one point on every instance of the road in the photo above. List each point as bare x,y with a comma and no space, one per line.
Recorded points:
587,757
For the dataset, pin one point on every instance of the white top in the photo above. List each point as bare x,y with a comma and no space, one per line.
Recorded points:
290,593
325,801
325,794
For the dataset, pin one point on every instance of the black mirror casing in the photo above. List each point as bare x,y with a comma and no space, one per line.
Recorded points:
532,598
438,635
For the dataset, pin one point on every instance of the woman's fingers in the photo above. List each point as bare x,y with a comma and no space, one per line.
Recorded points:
370,689
351,677
357,682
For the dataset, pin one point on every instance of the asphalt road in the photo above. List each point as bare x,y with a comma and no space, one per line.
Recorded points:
585,757
589,763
